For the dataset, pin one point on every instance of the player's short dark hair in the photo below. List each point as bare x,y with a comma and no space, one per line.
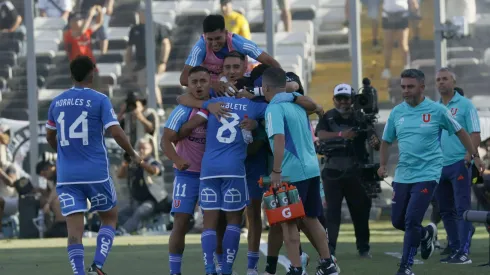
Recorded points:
81,67
236,55
198,69
459,90
274,77
213,22
258,71
43,165
414,73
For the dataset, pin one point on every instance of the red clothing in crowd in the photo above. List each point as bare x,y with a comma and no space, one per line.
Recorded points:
79,45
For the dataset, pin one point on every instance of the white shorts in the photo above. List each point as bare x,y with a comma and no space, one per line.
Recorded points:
11,206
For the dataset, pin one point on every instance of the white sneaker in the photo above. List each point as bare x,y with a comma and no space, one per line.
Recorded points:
305,260
336,265
252,272
386,74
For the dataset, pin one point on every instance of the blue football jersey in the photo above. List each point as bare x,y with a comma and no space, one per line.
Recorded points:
80,116
225,148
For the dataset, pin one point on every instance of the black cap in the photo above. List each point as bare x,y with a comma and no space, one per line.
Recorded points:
224,2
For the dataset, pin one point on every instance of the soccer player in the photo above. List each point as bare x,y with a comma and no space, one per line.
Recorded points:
223,179
416,124
187,158
77,120
289,133
454,191
213,46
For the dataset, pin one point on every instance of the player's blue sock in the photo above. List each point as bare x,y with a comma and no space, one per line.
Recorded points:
208,242
76,255
175,262
231,241
105,238
253,259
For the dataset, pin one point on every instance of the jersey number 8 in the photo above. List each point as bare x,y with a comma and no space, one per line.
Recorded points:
230,126
82,119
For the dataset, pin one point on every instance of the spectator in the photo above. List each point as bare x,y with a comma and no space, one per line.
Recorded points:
235,22
373,15
285,14
77,38
416,21
106,13
464,8
10,20
4,141
395,26
137,120
47,170
9,201
148,195
137,40
55,8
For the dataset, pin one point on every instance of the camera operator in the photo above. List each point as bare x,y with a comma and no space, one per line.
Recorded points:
342,167
139,121
50,203
148,194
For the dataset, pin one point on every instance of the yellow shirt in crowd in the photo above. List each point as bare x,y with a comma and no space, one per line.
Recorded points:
237,23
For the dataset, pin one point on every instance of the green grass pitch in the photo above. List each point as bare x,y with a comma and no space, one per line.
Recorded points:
147,255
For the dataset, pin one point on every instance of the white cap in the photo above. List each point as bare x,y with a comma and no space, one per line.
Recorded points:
342,89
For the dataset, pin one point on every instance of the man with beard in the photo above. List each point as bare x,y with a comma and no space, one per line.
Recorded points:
454,191
342,167
416,124
47,170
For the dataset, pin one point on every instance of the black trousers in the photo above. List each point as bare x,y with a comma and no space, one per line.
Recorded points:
350,187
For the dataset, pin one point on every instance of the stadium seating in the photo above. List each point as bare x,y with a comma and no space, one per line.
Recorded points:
469,58
314,20
317,34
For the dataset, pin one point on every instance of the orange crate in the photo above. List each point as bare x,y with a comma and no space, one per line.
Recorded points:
285,213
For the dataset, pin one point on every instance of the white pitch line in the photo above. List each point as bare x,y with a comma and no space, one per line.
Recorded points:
398,255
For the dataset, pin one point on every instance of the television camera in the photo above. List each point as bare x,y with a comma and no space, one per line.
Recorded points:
365,110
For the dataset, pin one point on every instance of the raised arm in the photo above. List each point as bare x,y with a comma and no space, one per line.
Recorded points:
193,123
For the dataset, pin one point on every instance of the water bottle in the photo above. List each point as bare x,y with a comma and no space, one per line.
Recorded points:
40,220
270,200
247,135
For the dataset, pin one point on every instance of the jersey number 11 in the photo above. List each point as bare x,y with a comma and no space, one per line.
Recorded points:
82,119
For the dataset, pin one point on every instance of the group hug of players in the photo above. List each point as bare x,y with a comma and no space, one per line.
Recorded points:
216,167
222,149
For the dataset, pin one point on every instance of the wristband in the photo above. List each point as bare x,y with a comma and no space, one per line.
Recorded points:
205,104
340,134
276,171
